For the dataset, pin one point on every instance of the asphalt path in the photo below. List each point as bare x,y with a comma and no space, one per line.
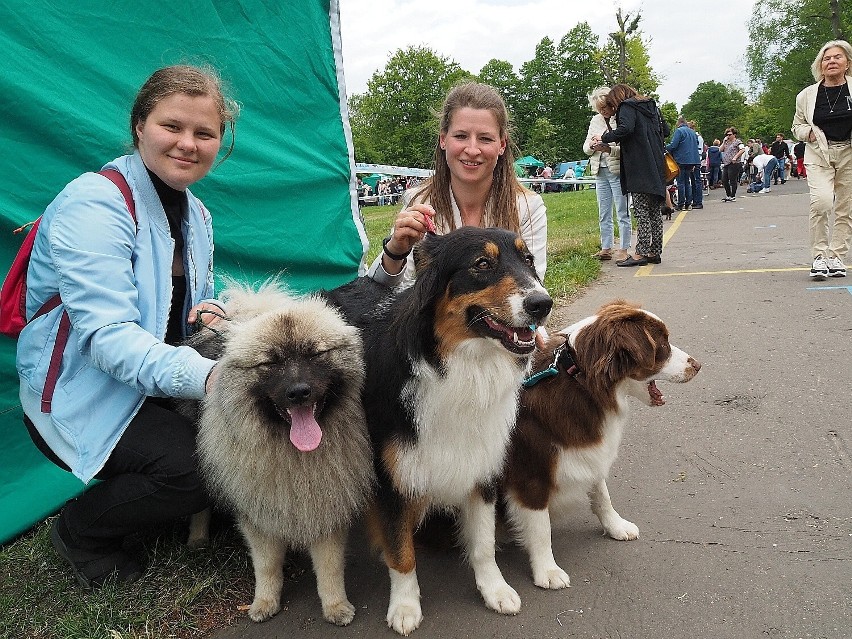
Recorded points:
740,484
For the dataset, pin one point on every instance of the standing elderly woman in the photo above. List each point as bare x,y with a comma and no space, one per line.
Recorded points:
606,167
823,120
640,130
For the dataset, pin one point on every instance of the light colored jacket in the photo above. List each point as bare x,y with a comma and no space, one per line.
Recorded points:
816,153
532,212
115,281
597,127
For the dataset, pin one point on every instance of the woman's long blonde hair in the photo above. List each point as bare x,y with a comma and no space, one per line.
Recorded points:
501,209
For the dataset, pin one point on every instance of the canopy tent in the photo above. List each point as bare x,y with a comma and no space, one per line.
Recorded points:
528,160
68,83
373,179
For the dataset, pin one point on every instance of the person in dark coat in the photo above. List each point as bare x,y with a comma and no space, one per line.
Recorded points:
640,132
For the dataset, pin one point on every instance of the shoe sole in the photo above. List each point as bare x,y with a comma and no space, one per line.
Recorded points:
818,277
837,273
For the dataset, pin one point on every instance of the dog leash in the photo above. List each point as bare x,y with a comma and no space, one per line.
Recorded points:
562,357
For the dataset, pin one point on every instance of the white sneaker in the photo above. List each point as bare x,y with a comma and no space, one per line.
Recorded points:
819,269
835,267
766,190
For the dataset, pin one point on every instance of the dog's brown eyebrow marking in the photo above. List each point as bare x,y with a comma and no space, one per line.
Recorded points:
491,250
521,245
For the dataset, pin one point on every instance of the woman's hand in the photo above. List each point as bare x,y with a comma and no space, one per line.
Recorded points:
409,227
208,314
811,136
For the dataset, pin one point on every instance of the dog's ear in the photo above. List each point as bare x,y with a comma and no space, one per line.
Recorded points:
429,282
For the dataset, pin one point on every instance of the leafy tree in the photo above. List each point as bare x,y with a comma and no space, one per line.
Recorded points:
541,140
715,106
538,87
501,75
580,74
669,112
393,122
624,58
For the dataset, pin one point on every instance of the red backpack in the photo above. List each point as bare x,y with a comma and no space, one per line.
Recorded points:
13,295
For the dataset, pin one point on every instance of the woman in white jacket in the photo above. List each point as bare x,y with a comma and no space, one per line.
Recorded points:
605,167
474,185
823,121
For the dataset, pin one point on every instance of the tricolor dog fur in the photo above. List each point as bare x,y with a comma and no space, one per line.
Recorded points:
445,361
573,411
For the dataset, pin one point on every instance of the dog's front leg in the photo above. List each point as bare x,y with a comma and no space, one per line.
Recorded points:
478,528
613,524
532,528
267,554
328,556
392,526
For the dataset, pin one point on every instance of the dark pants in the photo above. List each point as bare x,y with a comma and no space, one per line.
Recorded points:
684,186
149,478
731,177
715,174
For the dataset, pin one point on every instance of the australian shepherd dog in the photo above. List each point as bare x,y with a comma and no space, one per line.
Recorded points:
445,360
572,413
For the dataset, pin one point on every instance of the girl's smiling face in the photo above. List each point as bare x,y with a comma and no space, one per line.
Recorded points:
180,138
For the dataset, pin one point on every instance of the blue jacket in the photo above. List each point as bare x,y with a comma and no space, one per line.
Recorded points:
684,146
115,281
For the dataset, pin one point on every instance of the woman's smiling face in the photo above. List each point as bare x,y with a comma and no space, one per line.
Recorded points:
180,138
473,143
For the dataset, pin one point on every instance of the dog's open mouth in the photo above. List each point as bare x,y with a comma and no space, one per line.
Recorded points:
305,431
520,340
655,394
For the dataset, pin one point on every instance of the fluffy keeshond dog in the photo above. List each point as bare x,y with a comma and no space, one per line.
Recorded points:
282,438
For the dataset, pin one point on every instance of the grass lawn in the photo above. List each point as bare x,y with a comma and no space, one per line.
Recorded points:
188,593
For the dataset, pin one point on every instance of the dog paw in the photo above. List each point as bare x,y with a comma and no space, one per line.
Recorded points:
503,599
340,614
263,609
405,617
553,579
623,530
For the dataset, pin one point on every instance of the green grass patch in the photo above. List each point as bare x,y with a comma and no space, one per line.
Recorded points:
189,593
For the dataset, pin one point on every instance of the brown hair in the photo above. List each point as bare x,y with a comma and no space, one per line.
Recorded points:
191,80
501,209
621,92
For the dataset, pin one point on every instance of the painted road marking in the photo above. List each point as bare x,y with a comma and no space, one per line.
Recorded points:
830,288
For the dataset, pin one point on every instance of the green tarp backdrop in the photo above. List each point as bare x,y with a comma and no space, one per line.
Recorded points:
284,202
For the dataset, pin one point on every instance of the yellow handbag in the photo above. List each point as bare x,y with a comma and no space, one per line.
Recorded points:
672,168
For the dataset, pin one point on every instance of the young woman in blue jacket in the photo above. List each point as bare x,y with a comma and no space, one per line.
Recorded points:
132,290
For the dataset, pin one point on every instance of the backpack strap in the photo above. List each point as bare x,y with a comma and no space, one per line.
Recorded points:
65,322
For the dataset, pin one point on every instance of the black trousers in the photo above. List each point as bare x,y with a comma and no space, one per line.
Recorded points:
150,477
731,177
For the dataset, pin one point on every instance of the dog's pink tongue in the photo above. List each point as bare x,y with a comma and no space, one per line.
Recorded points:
305,432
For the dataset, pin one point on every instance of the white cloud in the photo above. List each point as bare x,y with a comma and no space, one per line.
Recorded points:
689,43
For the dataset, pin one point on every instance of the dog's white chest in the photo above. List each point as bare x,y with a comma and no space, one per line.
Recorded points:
578,469
463,422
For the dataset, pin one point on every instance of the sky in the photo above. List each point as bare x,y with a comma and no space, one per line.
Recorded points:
688,42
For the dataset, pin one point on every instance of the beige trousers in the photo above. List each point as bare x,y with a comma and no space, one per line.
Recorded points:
831,188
